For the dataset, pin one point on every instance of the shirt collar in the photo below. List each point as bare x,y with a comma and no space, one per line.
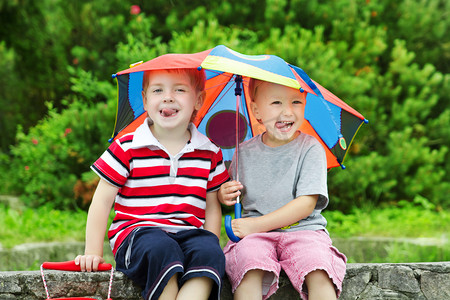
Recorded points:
143,137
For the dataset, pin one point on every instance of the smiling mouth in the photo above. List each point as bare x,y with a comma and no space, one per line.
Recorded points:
168,112
284,125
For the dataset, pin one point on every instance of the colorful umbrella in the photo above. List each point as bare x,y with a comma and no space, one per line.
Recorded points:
329,119
225,116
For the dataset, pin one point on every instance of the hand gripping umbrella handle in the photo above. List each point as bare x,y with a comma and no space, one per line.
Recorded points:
228,229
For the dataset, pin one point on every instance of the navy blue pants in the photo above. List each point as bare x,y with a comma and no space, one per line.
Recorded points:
150,257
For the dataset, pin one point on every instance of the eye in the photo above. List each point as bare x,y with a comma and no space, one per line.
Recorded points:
276,102
297,102
157,90
180,90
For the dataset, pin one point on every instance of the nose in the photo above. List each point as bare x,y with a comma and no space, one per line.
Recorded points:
168,98
287,110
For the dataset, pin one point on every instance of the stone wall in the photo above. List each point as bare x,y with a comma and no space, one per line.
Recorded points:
419,281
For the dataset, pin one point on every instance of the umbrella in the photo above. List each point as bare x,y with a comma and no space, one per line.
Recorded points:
225,115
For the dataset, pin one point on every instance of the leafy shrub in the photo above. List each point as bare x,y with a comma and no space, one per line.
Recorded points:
49,159
10,95
383,57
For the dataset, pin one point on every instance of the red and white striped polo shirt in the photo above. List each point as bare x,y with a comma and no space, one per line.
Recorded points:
156,188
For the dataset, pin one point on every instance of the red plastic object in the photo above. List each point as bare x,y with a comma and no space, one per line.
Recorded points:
71,266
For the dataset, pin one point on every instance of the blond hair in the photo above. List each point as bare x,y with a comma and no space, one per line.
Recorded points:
253,85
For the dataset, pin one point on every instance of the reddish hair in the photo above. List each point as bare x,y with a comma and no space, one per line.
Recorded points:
197,77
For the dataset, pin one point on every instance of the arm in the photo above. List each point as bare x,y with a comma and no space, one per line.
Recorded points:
213,214
97,221
229,191
296,210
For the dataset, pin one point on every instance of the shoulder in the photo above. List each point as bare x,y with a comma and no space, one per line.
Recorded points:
309,142
125,139
124,142
256,140
130,146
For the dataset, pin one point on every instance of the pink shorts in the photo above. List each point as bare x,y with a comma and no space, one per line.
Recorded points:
298,253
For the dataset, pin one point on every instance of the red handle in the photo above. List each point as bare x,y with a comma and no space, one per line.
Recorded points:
71,266
75,298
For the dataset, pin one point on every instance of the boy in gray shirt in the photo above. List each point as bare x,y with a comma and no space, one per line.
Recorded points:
284,189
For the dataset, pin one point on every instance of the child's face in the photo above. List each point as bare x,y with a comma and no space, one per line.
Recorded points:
281,110
170,99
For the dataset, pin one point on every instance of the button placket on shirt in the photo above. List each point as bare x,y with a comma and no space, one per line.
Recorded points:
174,161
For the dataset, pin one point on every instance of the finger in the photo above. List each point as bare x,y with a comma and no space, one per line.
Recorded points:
237,185
229,202
77,260
89,263
95,263
237,232
232,190
83,263
232,196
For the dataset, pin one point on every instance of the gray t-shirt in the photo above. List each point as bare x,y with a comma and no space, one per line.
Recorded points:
272,177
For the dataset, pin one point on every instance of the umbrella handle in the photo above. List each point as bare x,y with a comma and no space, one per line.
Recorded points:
228,229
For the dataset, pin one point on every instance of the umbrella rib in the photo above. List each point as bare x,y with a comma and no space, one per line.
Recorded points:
219,99
244,83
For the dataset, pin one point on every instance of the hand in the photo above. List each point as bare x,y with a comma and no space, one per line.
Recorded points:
245,226
89,262
229,191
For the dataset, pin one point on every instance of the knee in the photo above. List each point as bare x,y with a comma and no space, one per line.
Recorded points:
163,252
318,277
211,251
168,246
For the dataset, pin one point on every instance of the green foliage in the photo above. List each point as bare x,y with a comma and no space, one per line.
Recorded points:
409,159
387,59
10,106
53,155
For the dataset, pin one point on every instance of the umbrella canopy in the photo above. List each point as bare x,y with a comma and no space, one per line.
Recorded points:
329,119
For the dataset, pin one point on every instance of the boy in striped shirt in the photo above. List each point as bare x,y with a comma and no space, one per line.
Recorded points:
163,180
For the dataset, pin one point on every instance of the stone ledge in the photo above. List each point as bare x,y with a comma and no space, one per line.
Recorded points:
419,281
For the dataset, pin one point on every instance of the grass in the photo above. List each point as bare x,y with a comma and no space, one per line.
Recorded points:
404,220
43,224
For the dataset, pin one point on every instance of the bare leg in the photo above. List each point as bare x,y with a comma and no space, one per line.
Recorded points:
171,290
251,286
196,288
320,286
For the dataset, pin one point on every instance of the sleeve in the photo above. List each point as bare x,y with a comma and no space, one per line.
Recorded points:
218,173
114,165
313,175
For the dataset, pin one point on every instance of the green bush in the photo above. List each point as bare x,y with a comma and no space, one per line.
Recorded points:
10,97
48,161
385,58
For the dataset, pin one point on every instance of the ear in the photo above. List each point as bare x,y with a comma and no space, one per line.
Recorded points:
143,100
200,99
255,110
